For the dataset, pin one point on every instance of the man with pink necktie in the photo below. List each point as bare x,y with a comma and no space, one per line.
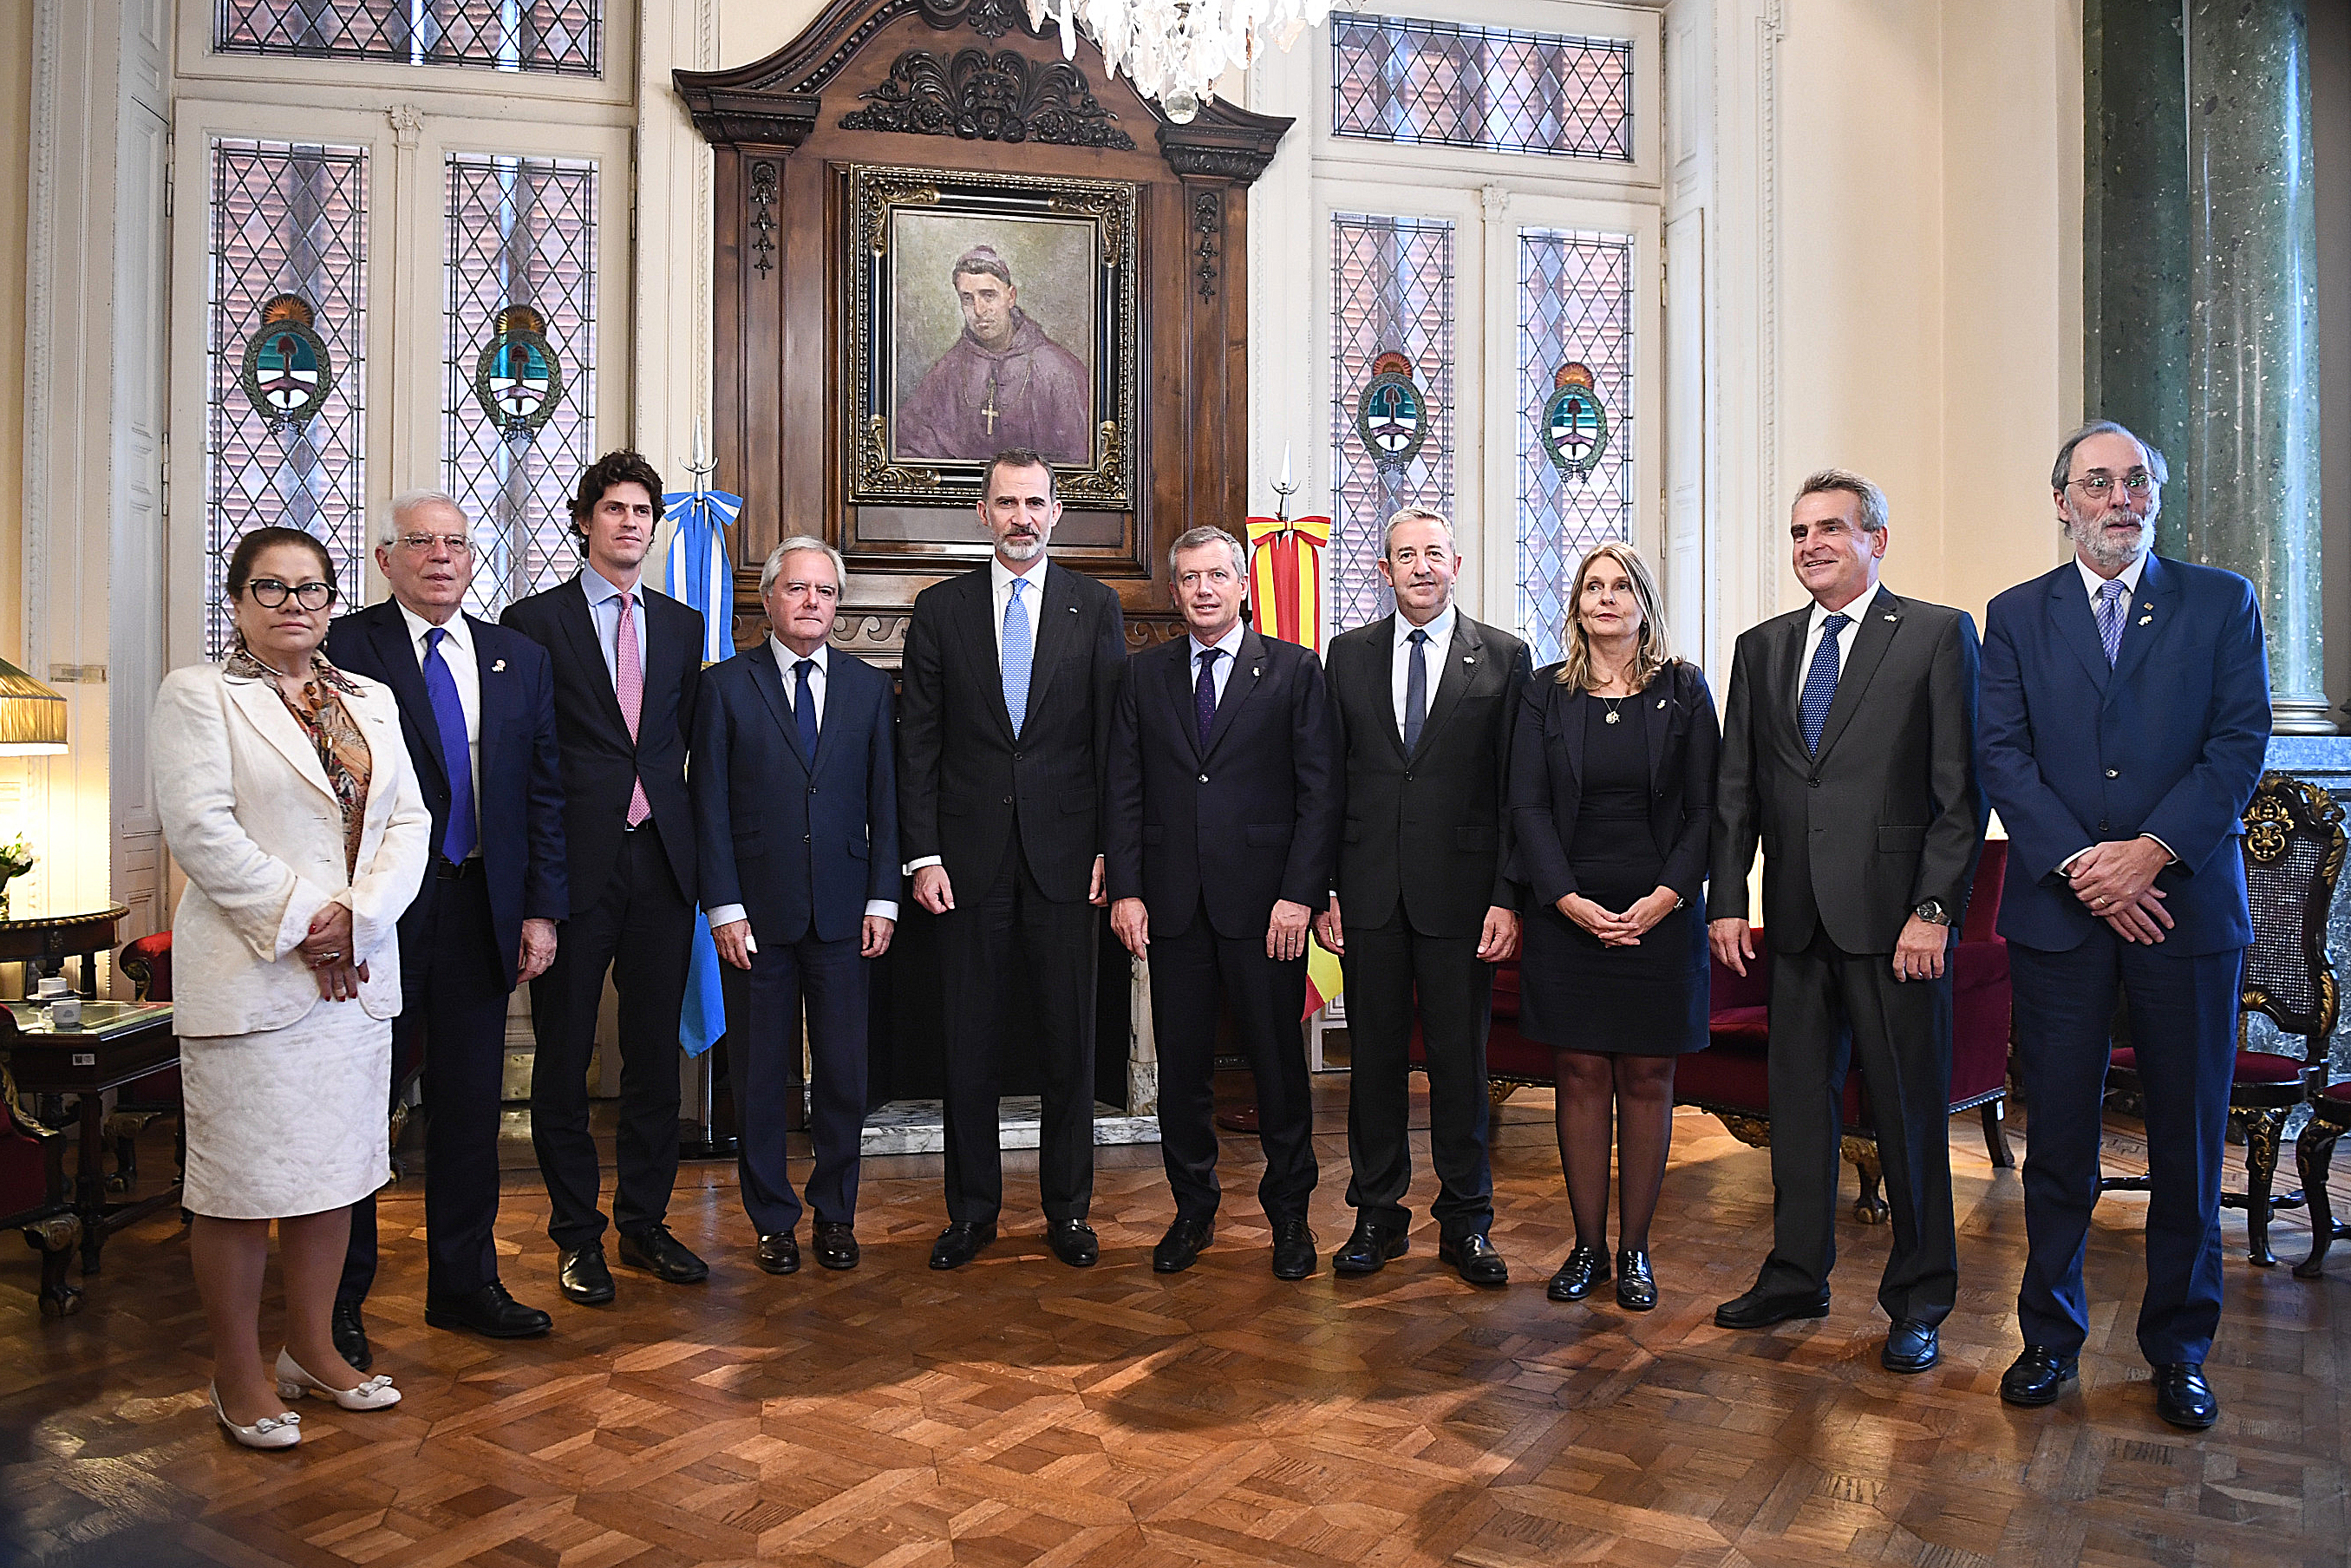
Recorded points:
628,666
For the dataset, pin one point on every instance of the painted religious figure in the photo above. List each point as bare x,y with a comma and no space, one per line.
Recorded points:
1004,382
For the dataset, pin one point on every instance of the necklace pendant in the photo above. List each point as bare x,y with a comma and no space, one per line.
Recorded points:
1614,716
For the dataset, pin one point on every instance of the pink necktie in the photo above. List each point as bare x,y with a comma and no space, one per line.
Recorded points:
630,682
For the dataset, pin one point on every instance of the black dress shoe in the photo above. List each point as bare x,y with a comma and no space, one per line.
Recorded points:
1368,1248
1073,1242
489,1312
350,1336
836,1244
2183,1397
959,1243
1756,1309
778,1252
1182,1246
2037,1376
662,1256
1586,1270
1294,1249
1910,1346
1474,1259
582,1276
1636,1288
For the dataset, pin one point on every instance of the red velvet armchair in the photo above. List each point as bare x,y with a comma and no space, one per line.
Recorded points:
1727,1079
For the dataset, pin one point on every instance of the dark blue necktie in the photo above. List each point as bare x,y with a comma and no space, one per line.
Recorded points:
449,718
804,710
1416,689
1820,681
1204,695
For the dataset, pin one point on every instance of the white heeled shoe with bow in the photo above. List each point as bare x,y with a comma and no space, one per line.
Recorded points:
279,1431
376,1394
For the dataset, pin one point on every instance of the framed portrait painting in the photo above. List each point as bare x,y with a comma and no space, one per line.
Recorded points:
987,311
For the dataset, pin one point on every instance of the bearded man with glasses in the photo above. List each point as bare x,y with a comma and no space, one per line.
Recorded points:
2124,717
477,711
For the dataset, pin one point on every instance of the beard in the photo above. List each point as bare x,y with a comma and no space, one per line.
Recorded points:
1022,550
2106,551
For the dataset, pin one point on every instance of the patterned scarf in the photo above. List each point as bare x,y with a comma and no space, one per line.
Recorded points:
341,746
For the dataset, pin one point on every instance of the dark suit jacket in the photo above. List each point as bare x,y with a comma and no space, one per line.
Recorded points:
2170,741
796,840
1252,821
1546,779
518,801
1887,815
964,779
599,760
1433,829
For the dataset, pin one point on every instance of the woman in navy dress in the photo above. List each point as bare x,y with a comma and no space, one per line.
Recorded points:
1612,793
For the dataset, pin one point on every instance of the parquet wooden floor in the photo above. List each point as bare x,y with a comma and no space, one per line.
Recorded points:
1017,1412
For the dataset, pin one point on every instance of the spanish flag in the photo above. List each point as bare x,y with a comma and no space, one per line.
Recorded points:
1286,601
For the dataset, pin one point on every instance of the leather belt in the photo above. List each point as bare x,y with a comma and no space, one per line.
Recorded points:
457,870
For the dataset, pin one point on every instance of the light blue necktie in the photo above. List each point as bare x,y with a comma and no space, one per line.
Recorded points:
1820,681
2110,619
1016,657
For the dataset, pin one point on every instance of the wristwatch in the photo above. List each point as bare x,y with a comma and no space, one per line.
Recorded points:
1933,913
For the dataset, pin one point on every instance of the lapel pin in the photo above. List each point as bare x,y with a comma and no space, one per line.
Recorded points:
499,667
1661,701
1892,618
1468,658
2144,618
1253,672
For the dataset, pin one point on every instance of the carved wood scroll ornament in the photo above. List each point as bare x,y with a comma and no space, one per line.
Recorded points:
1006,96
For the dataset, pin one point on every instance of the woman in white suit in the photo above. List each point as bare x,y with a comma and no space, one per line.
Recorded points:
287,799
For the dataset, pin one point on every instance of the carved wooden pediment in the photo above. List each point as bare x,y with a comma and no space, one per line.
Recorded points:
1002,97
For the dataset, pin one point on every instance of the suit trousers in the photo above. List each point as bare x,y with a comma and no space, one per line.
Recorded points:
2183,1023
763,1011
1267,996
640,927
452,1017
1831,1011
1011,926
1392,969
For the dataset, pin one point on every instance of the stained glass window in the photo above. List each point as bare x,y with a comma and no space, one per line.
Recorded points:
1453,85
1575,302
521,269
288,248
1391,291
564,36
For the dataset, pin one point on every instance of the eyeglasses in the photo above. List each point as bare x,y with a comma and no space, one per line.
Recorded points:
269,593
457,545
2136,481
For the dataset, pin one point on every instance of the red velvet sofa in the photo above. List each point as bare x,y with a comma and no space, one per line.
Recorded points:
1727,1079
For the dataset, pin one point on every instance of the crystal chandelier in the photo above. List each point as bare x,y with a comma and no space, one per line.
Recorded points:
1173,50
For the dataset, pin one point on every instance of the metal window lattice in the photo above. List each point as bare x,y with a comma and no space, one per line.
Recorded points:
520,232
1449,84
1575,302
285,219
564,36
1390,290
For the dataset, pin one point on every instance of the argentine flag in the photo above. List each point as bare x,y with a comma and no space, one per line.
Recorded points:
700,576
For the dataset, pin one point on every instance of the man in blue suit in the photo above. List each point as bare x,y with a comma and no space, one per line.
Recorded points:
2125,711
796,807
477,708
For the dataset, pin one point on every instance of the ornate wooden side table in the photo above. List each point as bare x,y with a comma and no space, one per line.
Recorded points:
42,939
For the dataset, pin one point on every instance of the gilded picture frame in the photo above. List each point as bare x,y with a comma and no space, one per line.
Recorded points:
984,311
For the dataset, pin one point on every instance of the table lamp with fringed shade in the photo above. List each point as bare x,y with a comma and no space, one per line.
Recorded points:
32,717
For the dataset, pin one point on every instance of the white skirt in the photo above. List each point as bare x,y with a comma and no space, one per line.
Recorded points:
290,1121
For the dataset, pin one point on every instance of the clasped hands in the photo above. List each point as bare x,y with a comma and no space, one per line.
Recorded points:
327,949
2115,881
1616,929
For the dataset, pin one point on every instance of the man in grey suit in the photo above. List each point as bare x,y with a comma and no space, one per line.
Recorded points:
1422,906
1848,749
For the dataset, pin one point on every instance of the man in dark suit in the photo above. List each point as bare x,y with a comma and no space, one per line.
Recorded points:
477,709
1848,748
795,795
1224,827
2126,716
627,669
1422,908
1010,675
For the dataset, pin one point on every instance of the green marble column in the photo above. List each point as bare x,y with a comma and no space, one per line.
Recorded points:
2201,301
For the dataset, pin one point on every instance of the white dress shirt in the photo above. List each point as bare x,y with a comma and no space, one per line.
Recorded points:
604,609
1229,644
788,662
1432,656
1812,628
466,674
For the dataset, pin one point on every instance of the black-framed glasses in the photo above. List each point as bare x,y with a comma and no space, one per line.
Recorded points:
2135,483
457,545
269,593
